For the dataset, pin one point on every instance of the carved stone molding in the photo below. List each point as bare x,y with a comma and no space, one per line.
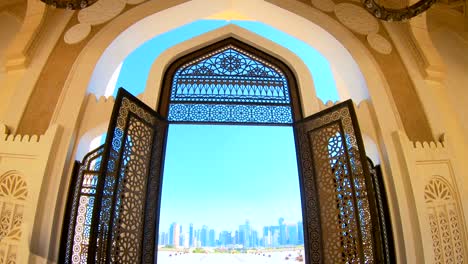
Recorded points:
431,65
445,221
19,51
13,193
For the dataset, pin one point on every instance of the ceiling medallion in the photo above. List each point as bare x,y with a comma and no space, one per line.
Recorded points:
396,14
69,4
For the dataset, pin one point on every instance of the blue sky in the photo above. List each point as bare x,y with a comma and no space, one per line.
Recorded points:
136,67
221,175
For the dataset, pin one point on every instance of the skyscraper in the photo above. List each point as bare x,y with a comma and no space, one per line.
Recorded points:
300,233
191,235
275,236
245,234
254,239
181,236
266,237
204,236
163,239
292,234
212,238
174,234
225,239
282,232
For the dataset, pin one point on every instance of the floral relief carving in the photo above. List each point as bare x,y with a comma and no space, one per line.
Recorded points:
13,194
444,221
13,185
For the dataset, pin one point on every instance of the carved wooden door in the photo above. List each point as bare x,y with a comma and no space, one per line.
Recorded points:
128,189
339,206
114,212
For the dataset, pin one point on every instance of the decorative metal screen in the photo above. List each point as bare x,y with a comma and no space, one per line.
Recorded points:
82,198
128,190
341,218
386,236
230,85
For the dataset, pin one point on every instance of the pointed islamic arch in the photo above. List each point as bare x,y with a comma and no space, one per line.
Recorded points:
230,82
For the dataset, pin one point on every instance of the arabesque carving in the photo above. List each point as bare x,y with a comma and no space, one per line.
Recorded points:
13,185
445,222
13,193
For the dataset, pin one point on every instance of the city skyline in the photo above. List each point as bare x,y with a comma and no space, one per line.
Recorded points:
220,175
284,234
225,229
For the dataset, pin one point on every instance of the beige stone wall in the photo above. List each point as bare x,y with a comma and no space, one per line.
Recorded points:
23,173
6,36
449,32
432,170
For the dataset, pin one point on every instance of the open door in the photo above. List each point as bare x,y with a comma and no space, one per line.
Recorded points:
128,186
128,190
339,206
113,211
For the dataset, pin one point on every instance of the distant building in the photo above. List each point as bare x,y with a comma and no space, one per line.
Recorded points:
204,236
162,241
275,236
282,233
225,239
300,233
212,238
266,237
191,235
181,236
197,240
174,235
292,234
254,239
245,234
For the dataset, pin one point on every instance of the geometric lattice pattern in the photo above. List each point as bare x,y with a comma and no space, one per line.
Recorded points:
230,85
384,217
13,193
336,184
128,187
84,196
444,219
225,113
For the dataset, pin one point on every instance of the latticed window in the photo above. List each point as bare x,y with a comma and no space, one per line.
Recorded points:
230,85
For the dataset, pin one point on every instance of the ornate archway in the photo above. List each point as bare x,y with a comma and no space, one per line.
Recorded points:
68,111
114,211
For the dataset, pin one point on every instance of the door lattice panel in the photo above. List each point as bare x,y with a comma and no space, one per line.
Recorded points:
84,193
338,188
128,195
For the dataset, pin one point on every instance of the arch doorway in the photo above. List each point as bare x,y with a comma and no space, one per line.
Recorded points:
114,201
